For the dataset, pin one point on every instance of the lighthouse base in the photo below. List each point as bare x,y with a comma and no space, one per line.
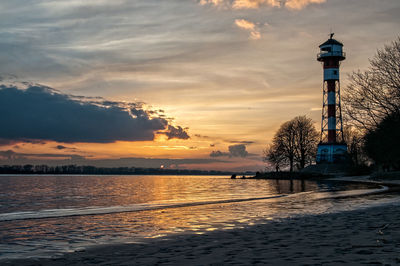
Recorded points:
331,153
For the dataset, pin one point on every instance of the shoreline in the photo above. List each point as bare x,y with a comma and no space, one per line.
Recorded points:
367,235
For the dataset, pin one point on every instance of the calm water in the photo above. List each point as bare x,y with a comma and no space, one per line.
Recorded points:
48,215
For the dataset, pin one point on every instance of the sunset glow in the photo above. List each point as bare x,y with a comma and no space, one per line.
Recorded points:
172,84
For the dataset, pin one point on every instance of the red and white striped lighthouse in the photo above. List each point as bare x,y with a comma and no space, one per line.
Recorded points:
332,147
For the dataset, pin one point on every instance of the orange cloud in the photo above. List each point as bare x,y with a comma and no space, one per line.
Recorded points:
255,35
249,4
212,2
245,24
300,4
254,4
250,26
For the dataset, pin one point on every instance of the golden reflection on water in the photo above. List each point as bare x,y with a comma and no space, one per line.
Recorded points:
73,232
32,193
211,217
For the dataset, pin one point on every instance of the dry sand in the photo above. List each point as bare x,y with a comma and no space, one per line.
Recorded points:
369,236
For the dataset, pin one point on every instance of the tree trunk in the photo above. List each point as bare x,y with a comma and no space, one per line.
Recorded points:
291,164
302,160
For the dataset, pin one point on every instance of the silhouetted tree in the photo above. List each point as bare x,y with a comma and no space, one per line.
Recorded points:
355,145
274,157
374,94
294,142
27,168
284,142
382,144
306,140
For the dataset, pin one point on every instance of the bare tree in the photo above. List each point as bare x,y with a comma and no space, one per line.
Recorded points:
274,157
374,94
306,140
294,142
284,142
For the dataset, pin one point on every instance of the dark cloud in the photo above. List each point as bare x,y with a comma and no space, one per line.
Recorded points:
242,142
234,151
40,113
60,147
202,136
218,154
16,156
176,132
238,150
4,142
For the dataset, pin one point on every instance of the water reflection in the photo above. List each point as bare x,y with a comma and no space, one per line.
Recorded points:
293,186
23,237
30,193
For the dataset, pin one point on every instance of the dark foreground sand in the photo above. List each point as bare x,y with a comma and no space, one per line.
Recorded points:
370,236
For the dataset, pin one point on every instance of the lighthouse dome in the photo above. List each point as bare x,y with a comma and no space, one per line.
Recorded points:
331,42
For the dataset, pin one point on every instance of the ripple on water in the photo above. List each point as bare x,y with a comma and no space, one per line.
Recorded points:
36,237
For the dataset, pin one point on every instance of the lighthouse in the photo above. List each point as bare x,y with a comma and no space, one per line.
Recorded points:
332,148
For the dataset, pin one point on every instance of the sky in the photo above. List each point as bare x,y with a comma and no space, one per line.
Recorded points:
190,84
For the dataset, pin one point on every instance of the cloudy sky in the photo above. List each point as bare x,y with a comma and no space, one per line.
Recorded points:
200,84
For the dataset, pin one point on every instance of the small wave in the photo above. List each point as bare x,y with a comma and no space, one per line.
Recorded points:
349,193
55,213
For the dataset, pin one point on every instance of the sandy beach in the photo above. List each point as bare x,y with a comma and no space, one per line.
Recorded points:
368,236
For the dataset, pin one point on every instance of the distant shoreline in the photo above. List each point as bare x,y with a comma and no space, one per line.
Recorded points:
93,170
34,174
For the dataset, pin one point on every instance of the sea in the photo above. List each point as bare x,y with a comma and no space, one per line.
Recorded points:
47,215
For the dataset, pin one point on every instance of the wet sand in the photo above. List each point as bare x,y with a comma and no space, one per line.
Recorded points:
369,236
